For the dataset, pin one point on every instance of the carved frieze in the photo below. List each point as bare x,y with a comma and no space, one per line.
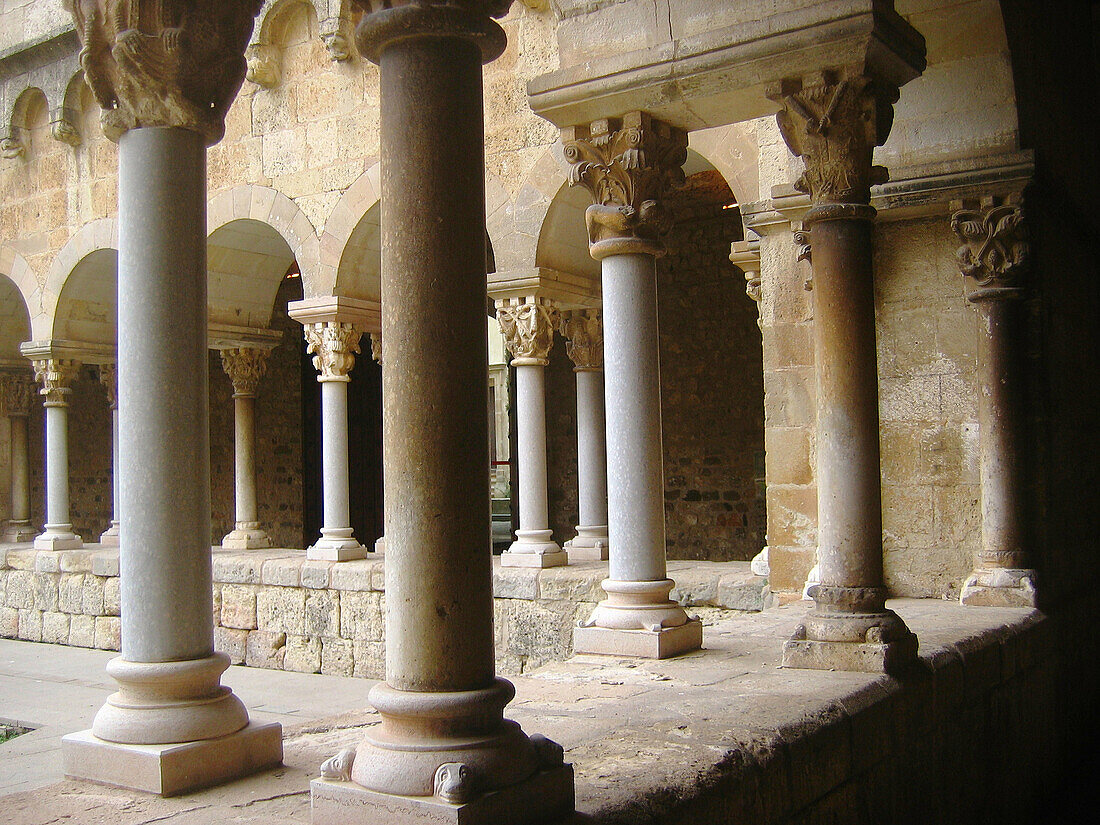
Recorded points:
56,376
834,122
627,166
333,346
995,247
245,367
582,330
528,329
164,62
16,393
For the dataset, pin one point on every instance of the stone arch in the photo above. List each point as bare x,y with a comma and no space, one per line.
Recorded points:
65,117
334,26
264,205
87,308
357,200
17,284
734,152
516,230
97,236
26,108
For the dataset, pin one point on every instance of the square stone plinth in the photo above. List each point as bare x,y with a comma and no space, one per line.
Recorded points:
863,657
540,560
177,768
45,542
319,552
587,553
647,644
547,797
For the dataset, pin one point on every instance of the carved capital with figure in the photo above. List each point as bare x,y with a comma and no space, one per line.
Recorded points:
333,346
834,121
582,330
627,165
108,377
995,247
56,376
245,367
528,329
16,393
164,62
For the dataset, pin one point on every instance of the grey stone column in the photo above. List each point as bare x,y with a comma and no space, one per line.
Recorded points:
443,740
245,367
334,346
16,394
626,166
528,329
55,375
172,726
108,376
994,253
583,333
376,355
834,123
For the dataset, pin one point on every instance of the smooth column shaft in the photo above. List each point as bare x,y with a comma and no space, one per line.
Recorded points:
114,466
57,466
244,446
439,618
849,492
531,426
334,446
591,448
635,472
20,470
164,451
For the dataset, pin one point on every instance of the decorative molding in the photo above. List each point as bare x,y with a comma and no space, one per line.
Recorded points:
108,377
245,367
528,329
164,62
333,346
12,145
834,122
582,330
338,37
627,166
264,65
16,393
745,255
63,126
995,248
56,376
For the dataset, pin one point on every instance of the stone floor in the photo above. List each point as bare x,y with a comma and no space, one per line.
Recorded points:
643,735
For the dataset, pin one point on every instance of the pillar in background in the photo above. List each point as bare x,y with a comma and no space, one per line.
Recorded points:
627,166
834,121
56,376
164,84
443,744
245,367
376,355
527,325
108,376
582,330
994,253
16,396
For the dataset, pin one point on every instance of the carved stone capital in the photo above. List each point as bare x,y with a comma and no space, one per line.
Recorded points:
245,367
995,247
627,166
56,376
264,65
582,330
745,255
12,145
338,37
528,329
108,377
63,126
376,346
16,393
834,121
333,346
164,62
385,21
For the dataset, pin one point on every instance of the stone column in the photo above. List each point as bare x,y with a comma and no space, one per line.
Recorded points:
994,253
376,355
16,394
583,333
55,375
528,329
626,166
443,741
245,367
334,346
172,726
834,121
108,376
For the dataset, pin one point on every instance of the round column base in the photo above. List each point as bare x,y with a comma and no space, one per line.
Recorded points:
590,544
1000,587
163,702
18,532
637,606
109,537
337,544
58,537
534,548
246,535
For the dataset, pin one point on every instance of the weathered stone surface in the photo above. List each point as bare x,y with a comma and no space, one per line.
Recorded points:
265,649
20,590
355,575
337,657
281,609
243,568
303,654
9,623
370,659
70,593
111,597
361,616
233,643
238,607
322,614
82,631
30,625
108,633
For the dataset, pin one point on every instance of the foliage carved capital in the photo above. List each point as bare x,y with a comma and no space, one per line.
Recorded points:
56,376
528,329
16,393
245,367
995,246
582,330
333,346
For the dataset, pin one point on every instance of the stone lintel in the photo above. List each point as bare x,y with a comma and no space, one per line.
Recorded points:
364,315
565,289
60,349
546,797
168,770
861,657
225,336
722,76
664,644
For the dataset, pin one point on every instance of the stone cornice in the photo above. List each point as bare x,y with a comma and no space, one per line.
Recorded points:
225,336
56,348
565,289
364,314
49,48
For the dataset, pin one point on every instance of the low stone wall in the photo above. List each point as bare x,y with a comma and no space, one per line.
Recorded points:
276,609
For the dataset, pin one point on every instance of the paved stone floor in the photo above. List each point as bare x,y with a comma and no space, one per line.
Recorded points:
633,729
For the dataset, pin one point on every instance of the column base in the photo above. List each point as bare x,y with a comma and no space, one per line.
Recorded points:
760,565
246,536
647,644
866,657
534,548
177,768
336,544
380,545
58,537
18,532
590,544
1000,587
109,538
546,797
